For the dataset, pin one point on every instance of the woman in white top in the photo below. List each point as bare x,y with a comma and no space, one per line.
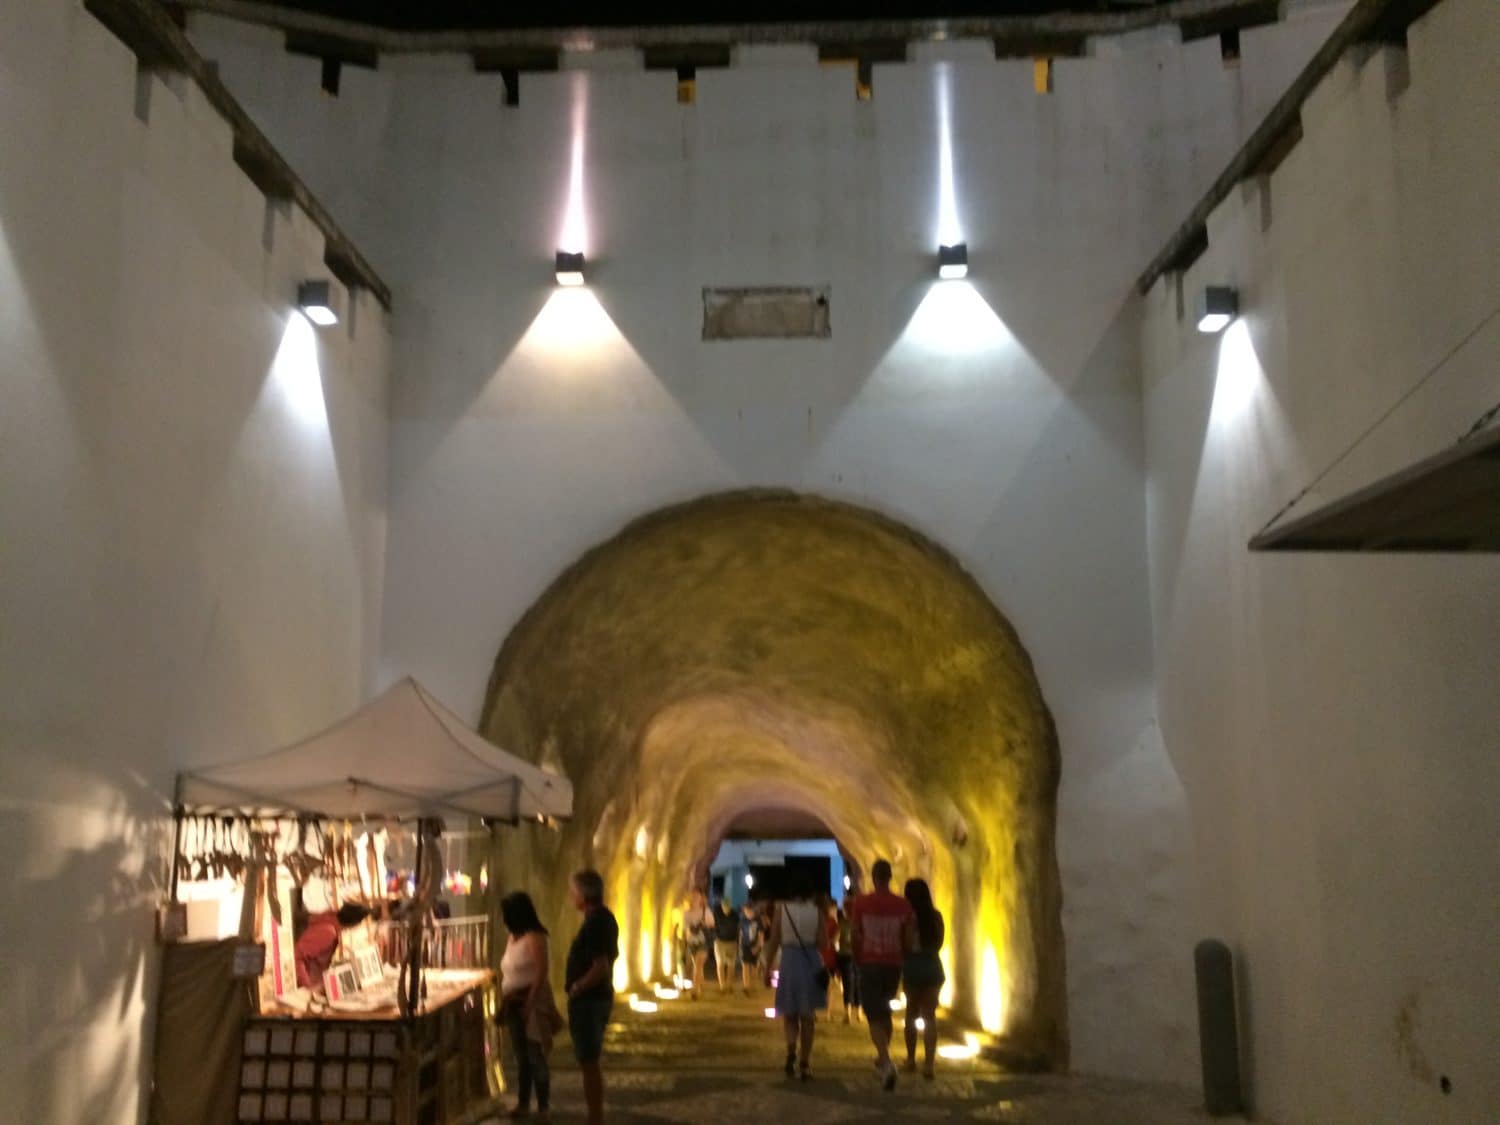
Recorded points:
527,1007
697,932
797,929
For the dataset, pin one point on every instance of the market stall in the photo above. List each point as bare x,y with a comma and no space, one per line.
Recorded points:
315,968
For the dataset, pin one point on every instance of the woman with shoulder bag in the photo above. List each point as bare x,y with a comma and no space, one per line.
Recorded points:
802,988
527,1008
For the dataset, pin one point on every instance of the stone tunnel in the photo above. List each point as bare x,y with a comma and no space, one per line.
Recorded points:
769,656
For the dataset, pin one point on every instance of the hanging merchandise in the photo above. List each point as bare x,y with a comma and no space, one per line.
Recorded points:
303,855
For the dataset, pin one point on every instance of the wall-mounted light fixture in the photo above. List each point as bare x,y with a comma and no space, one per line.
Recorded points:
1217,306
316,300
569,268
953,261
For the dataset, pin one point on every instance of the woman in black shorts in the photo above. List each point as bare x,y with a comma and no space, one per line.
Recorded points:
922,975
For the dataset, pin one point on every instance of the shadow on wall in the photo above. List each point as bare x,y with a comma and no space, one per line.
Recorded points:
769,650
81,929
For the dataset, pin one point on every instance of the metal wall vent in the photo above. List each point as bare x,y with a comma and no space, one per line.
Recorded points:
772,312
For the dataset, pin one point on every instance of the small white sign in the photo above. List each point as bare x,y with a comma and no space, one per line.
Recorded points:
367,968
339,982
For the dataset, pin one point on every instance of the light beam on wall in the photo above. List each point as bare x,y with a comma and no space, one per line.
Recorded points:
1238,377
574,326
950,230
954,321
991,991
295,373
573,238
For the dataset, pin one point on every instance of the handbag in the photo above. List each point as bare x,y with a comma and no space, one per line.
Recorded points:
821,977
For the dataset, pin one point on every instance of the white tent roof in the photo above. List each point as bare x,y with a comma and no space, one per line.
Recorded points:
403,754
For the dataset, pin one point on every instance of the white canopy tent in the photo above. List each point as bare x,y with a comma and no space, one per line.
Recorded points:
402,755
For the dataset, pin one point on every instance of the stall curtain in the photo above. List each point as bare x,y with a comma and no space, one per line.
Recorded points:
200,1023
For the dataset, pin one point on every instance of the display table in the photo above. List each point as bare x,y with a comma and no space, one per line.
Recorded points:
349,1067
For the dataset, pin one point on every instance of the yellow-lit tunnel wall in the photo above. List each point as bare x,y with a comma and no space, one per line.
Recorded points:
767,650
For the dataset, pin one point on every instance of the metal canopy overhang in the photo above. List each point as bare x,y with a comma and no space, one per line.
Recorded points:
1446,503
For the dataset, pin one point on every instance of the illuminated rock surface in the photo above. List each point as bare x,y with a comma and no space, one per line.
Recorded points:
767,654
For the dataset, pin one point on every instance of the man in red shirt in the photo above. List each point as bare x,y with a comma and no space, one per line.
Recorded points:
884,931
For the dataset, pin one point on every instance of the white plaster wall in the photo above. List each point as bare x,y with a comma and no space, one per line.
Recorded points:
1001,417
1336,719
191,527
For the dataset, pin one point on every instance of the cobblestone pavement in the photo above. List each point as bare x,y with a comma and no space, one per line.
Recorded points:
720,1061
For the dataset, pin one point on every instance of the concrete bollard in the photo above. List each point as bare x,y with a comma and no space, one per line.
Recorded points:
1218,1033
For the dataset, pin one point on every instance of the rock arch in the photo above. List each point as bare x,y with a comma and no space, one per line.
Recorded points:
756,650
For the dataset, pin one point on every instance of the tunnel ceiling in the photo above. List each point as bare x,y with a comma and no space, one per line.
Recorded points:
769,657
775,823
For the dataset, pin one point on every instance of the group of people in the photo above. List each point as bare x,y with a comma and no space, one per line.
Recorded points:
895,943
735,936
528,1009
882,943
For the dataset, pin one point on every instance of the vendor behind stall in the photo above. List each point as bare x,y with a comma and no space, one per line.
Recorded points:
316,947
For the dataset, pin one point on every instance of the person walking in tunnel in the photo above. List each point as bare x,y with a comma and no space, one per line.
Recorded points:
697,925
527,1009
844,955
726,941
590,986
922,976
884,930
802,988
750,944
829,949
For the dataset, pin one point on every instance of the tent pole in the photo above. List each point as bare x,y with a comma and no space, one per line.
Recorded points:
414,954
177,818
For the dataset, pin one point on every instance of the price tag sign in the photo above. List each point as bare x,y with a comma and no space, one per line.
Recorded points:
249,961
367,968
339,982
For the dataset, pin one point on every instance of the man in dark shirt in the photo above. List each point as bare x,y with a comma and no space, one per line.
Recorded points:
726,941
591,991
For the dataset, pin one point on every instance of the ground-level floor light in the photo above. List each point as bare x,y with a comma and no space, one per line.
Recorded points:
953,261
315,299
968,1049
1217,306
770,1013
569,268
